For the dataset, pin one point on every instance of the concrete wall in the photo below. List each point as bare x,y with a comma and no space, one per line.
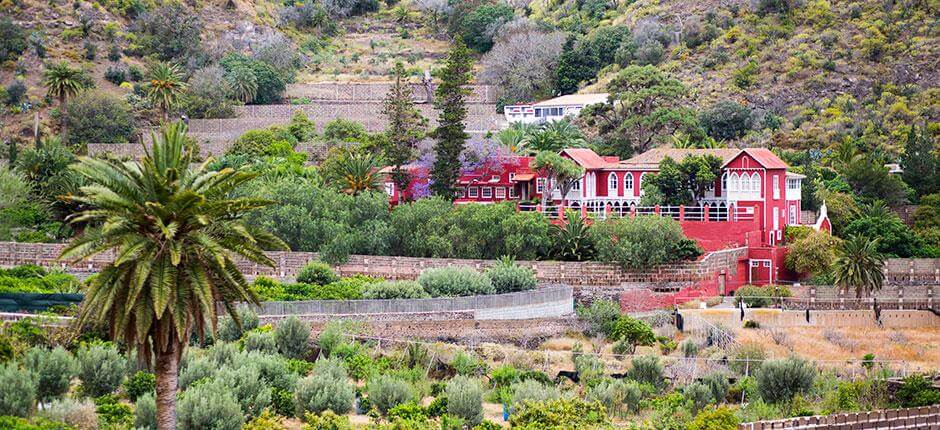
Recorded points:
927,417
549,302
784,318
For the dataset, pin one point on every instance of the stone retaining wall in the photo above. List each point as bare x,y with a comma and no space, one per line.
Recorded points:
927,417
375,92
548,302
768,318
524,332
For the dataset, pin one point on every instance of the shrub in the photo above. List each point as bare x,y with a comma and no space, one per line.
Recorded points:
195,370
751,324
262,341
455,281
813,254
632,332
54,370
139,384
468,363
698,394
479,25
101,369
115,75
265,421
323,391
99,117
145,412
601,317
293,338
79,414
15,92
759,297
254,143
12,39
465,399
17,390
748,358
345,130
618,396
718,418
508,277
917,391
647,370
560,413
231,330
503,376
268,83
589,367
386,392
113,413
394,290
247,385
283,402
642,242
779,381
318,273
726,120
532,391
719,386
332,335
689,348
327,421
209,406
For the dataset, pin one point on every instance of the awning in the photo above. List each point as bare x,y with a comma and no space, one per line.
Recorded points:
524,177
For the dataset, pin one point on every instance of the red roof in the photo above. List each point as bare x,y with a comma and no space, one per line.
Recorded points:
587,158
765,157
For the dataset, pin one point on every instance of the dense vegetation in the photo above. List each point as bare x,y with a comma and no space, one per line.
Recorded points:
260,376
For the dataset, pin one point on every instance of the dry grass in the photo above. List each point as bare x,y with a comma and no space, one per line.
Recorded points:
919,348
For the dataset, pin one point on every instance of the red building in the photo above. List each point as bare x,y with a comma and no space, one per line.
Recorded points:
750,204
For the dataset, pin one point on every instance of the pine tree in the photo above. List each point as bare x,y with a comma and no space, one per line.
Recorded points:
920,165
405,128
450,99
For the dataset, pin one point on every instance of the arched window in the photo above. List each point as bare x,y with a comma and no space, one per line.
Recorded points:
612,181
628,181
755,183
724,183
734,182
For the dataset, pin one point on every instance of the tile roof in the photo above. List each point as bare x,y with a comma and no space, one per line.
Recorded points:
587,158
651,159
573,99
766,158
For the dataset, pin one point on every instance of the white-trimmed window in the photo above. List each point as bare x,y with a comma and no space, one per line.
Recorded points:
724,183
628,181
576,185
390,188
776,186
540,185
733,182
487,193
612,182
755,183
494,178
474,192
500,193
512,192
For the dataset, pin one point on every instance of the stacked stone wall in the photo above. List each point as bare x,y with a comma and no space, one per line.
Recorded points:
375,92
926,417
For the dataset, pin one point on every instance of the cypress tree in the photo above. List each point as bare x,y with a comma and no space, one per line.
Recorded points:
920,165
405,128
450,99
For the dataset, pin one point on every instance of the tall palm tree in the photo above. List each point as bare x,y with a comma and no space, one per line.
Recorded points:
62,81
353,173
859,265
175,234
554,136
165,84
512,139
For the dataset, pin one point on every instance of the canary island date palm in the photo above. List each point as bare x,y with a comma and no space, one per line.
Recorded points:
859,265
164,85
354,173
175,232
62,81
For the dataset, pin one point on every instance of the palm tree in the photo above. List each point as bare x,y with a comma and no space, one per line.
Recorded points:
353,173
554,136
62,81
243,83
164,86
512,139
859,265
175,234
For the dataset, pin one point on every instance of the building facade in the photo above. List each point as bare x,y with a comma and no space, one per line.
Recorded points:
550,110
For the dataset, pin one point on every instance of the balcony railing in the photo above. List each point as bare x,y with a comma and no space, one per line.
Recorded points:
678,213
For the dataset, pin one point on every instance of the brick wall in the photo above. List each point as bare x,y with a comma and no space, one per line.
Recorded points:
927,417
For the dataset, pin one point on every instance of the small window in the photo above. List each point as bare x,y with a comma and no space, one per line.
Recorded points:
766,264
494,178
540,185
628,181
500,193
538,112
474,192
576,185
512,177
487,193
512,193
612,181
